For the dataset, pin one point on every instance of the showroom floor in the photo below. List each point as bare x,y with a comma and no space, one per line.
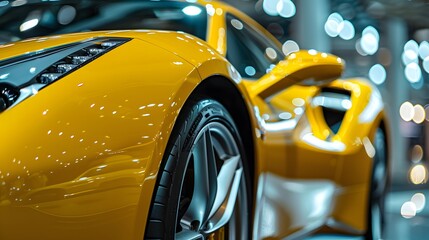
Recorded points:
398,227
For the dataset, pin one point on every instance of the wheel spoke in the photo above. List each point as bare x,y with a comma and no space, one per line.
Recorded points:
224,182
225,211
205,182
189,235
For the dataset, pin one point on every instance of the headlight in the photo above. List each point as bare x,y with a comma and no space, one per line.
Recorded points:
23,76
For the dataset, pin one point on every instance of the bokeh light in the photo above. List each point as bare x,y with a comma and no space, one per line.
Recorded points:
413,73
334,24
237,24
210,10
66,14
369,44
286,8
299,102
28,24
377,74
290,47
409,58
419,114
18,3
424,50
298,111
270,7
411,49
359,48
406,111
191,10
31,21
408,210
285,115
418,174
271,53
348,30
346,104
419,201
250,71
416,153
4,3
369,40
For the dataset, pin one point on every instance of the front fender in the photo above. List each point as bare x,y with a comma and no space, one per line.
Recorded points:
96,134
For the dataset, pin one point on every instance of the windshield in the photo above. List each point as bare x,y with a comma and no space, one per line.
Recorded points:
21,20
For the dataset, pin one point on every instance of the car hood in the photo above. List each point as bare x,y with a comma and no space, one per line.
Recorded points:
176,42
44,56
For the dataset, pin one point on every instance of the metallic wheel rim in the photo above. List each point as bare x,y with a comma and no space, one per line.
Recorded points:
212,185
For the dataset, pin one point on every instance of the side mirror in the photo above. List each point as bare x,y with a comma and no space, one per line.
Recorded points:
302,67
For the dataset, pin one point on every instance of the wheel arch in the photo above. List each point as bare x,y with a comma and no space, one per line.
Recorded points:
222,89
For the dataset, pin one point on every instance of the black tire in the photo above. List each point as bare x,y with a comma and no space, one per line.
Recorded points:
379,180
203,126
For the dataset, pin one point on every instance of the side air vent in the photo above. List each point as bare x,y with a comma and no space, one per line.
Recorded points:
334,103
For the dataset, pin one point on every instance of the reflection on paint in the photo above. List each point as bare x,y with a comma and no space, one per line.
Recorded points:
291,206
316,142
374,106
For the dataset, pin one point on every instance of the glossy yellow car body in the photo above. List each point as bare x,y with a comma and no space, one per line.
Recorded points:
79,160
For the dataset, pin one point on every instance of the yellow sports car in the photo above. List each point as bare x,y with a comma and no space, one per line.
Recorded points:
200,129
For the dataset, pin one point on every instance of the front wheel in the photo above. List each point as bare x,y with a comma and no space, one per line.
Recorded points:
202,190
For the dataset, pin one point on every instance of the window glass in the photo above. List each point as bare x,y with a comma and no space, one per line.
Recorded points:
251,53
